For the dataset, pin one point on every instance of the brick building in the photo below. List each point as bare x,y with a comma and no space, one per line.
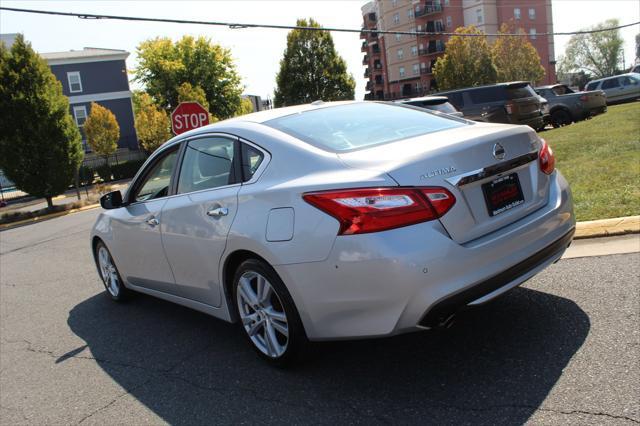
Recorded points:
400,66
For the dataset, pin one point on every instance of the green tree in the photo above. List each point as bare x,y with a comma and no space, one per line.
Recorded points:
152,123
163,66
102,130
311,69
515,58
596,53
467,62
246,107
189,93
40,148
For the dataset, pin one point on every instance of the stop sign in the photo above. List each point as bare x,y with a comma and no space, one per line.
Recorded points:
188,116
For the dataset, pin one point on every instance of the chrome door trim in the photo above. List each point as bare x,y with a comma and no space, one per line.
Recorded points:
489,171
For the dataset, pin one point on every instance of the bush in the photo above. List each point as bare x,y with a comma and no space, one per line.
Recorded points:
104,173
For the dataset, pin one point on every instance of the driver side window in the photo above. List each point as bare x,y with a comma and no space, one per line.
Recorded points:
156,183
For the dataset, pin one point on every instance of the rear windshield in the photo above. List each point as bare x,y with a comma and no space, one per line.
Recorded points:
520,92
360,125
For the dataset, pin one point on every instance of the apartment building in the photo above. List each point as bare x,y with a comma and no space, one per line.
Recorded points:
400,65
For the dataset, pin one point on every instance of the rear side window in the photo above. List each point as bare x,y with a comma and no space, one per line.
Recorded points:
442,107
207,164
520,92
487,95
251,160
611,83
360,125
456,99
592,86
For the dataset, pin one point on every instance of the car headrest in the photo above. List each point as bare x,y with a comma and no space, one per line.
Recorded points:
214,161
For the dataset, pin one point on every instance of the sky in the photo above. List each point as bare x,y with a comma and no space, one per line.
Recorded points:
257,52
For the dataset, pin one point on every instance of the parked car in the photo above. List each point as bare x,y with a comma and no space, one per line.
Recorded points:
635,69
510,103
546,116
567,106
619,88
434,103
335,220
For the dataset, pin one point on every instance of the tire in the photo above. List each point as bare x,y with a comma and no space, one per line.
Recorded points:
560,118
268,317
109,274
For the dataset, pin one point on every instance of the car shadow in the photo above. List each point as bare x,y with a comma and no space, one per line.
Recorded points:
495,365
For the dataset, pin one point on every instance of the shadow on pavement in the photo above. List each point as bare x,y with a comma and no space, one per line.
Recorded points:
495,365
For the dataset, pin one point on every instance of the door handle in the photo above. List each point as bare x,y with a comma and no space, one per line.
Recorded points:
152,221
218,212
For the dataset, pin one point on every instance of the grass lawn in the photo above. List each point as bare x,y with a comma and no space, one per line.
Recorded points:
601,160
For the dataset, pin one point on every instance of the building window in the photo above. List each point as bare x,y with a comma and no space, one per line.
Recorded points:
401,71
394,3
446,2
516,13
479,16
414,50
75,84
80,114
416,69
396,18
448,21
398,37
400,53
532,13
410,13
533,33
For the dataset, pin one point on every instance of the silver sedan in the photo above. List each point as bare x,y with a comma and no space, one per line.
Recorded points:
335,221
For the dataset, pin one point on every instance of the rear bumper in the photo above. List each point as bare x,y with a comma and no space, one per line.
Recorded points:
409,278
445,309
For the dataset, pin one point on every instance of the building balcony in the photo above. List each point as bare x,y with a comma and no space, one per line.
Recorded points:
426,71
427,9
431,51
367,73
365,60
364,46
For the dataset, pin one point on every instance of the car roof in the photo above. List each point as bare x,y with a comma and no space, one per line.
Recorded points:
634,74
423,98
256,117
549,86
505,84
271,114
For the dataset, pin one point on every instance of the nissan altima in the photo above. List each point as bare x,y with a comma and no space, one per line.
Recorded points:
335,221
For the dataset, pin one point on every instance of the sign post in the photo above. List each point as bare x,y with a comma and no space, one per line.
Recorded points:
188,116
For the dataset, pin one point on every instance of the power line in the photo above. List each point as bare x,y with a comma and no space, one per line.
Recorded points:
233,26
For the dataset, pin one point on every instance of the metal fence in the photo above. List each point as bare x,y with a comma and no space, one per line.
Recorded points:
9,193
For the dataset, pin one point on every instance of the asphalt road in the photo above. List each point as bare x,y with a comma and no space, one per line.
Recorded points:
563,349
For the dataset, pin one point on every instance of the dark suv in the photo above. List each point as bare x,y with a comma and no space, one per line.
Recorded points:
511,103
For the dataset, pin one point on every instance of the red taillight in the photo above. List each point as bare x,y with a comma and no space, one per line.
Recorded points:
360,211
546,158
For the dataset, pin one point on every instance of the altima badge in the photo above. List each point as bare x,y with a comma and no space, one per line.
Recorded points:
438,172
498,151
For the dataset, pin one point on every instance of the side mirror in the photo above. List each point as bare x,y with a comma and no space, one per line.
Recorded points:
112,200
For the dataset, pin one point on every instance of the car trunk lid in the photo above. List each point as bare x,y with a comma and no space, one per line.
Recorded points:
462,160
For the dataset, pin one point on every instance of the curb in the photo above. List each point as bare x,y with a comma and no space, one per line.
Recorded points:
19,223
587,229
608,227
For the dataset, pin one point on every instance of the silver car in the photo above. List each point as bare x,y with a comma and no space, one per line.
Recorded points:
336,221
619,88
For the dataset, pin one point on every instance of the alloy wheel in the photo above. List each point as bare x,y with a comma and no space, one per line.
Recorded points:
262,314
108,272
